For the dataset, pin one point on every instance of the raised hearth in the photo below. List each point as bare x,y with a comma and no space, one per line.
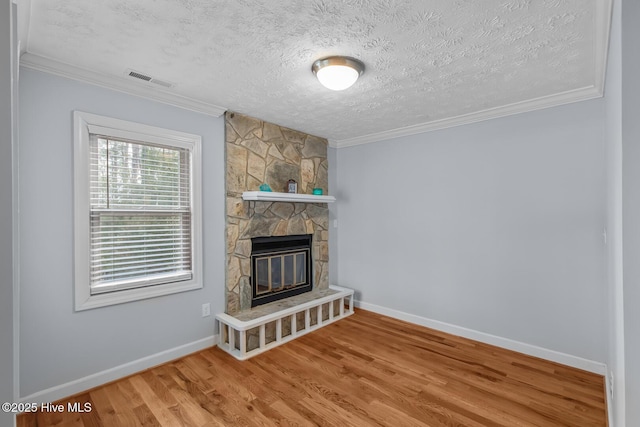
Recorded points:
255,331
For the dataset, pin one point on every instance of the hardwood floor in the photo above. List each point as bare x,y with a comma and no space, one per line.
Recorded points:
364,370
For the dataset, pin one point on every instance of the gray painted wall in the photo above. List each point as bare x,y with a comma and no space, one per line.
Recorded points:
7,50
58,345
332,158
631,204
494,226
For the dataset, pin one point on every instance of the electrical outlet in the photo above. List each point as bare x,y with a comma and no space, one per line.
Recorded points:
206,310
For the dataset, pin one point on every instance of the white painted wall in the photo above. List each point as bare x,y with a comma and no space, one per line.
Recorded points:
495,226
631,205
58,345
613,101
7,132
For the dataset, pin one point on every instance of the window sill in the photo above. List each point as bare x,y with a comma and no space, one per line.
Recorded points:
87,302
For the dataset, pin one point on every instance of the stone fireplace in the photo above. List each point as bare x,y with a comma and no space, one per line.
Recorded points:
259,152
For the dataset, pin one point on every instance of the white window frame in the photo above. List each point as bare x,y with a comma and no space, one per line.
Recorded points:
85,124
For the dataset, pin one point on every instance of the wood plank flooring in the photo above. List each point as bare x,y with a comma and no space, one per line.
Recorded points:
365,370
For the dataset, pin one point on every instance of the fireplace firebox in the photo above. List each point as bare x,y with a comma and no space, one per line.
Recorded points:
281,267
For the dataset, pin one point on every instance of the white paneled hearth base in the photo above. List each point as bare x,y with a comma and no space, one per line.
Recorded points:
317,308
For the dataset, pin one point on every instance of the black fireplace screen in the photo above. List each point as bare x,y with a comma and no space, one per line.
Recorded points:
280,267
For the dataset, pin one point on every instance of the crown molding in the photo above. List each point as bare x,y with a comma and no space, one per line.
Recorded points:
143,90
603,23
568,97
603,16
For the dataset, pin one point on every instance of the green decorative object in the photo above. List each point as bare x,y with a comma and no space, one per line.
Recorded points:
317,191
265,187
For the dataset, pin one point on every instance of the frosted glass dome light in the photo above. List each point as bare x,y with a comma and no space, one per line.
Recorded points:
337,72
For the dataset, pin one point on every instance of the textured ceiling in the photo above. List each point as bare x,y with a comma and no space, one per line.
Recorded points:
427,62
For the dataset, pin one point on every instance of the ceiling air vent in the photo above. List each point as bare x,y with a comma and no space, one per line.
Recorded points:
139,76
146,78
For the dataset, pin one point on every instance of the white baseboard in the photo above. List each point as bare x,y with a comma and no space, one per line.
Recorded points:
94,380
531,350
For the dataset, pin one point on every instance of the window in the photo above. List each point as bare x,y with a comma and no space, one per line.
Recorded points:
137,211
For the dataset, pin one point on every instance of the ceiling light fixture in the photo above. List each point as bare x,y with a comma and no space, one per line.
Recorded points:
337,72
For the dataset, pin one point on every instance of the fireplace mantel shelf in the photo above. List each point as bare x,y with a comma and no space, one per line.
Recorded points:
268,196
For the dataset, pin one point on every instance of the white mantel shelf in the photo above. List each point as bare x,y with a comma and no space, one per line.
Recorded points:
269,196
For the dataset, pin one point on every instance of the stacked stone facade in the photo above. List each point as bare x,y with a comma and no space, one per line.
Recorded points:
258,152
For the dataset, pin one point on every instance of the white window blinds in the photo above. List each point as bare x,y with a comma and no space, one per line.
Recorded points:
140,214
